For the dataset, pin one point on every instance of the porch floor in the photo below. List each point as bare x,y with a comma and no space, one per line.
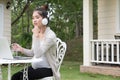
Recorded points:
99,69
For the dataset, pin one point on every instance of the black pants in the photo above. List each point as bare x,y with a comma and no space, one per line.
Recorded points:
33,73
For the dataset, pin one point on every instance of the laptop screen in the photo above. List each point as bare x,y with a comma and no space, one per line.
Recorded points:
5,51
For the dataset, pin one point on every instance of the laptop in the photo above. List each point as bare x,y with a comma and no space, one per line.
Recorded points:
5,51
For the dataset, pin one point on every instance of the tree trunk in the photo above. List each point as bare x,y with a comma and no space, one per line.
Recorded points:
28,25
77,29
24,9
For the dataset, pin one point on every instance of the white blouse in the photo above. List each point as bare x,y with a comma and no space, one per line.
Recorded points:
44,49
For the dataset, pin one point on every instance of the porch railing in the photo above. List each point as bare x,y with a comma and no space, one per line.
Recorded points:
105,51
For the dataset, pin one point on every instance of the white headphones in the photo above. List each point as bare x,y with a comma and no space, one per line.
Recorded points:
44,21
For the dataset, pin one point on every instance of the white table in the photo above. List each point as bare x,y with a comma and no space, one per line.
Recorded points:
9,62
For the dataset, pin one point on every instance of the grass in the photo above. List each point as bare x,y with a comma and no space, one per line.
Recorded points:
14,69
70,69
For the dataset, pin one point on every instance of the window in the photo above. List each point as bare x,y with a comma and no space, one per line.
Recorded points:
1,20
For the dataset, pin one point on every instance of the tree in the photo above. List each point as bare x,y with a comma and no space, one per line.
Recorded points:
67,21
66,17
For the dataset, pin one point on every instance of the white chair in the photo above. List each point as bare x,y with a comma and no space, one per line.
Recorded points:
60,53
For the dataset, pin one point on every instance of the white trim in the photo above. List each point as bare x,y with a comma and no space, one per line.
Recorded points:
118,16
1,22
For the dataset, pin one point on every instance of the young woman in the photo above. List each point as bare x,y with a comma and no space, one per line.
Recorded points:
43,49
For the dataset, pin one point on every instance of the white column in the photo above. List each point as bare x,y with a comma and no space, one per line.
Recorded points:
87,30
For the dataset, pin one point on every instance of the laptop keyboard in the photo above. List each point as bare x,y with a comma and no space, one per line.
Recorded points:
22,58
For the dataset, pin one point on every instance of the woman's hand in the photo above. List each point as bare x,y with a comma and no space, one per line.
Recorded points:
36,31
17,47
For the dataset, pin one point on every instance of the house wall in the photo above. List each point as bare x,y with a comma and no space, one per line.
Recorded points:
6,20
106,19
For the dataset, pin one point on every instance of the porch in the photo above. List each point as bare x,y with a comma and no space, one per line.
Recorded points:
101,54
105,57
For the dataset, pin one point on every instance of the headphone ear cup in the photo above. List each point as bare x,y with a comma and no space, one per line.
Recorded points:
44,21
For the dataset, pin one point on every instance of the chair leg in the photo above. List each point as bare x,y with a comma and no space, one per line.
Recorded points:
25,73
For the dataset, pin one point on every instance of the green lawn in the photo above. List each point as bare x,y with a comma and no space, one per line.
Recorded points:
69,71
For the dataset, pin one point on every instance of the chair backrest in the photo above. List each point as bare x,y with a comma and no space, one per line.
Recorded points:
60,53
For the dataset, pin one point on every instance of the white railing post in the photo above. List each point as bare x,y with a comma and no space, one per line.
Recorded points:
97,51
102,52
107,51
112,52
117,52
93,51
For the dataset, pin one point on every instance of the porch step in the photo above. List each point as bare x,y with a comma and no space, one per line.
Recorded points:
105,70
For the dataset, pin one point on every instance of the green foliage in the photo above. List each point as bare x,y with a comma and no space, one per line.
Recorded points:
65,17
24,39
64,21
63,13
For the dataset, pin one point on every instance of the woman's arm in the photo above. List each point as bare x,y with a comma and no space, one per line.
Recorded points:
28,52
17,47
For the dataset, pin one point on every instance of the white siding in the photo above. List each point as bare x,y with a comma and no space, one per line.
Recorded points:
118,17
106,19
7,23
1,19
6,20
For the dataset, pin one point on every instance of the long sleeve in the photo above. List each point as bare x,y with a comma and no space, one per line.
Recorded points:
29,52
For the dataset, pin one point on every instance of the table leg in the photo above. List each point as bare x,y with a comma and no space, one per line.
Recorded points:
9,71
0,73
